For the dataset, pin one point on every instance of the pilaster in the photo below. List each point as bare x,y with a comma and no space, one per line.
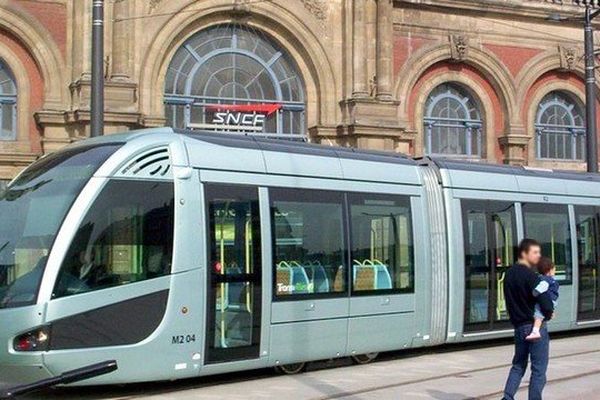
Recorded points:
514,145
359,50
373,124
384,49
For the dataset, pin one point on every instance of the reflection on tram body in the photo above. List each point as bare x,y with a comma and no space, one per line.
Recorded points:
125,237
223,253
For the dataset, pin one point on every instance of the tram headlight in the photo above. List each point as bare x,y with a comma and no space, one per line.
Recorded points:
35,340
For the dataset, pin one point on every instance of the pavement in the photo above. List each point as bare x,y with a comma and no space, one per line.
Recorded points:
455,372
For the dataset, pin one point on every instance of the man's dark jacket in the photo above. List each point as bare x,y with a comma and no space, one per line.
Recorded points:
523,288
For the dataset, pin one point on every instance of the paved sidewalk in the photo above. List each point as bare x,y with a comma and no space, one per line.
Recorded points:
444,374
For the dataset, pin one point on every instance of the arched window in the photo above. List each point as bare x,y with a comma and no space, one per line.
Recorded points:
452,122
234,78
8,104
560,127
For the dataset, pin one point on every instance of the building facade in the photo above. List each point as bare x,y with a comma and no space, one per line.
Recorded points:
489,80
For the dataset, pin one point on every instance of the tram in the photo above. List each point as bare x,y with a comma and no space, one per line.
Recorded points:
181,254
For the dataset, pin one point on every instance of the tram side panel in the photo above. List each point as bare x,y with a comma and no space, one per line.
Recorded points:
488,215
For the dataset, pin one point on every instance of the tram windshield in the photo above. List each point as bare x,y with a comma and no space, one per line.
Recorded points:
32,209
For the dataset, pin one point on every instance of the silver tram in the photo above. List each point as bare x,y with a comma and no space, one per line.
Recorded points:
181,254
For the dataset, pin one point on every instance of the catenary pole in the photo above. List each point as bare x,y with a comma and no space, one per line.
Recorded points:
590,93
97,100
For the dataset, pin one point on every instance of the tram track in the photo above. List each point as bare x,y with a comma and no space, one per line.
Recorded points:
460,374
550,382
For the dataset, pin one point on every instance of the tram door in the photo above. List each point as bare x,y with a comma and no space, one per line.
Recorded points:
588,236
234,273
490,242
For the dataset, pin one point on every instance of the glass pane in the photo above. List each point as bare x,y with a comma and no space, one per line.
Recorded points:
490,241
126,237
502,217
477,266
309,242
8,116
549,225
588,229
235,257
31,212
382,243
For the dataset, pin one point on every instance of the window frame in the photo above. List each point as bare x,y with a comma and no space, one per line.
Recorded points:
486,207
278,68
470,126
579,211
559,98
345,243
380,196
554,206
228,354
90,209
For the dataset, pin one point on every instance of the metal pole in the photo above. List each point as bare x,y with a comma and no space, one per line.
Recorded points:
590,94
97,101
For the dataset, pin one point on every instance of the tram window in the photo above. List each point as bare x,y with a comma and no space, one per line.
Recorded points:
308,242
549,225
588,256
126,237
235,265
32,209
382,243
489,245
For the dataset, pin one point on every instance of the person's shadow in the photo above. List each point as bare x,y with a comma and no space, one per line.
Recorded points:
439,395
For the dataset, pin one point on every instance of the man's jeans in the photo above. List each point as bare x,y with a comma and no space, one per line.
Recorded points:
538,351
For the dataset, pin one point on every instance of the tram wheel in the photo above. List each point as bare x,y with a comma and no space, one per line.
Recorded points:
291,369
364,358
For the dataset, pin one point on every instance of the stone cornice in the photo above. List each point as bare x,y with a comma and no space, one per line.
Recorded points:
522,8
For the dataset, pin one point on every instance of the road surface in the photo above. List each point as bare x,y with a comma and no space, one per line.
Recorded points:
447,373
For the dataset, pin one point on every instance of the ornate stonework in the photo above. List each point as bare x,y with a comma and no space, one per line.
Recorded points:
154,4
569,57
318,8
459,47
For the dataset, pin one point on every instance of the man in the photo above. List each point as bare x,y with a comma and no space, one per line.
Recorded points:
521,286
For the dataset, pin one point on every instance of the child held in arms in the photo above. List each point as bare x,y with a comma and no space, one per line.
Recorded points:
547,270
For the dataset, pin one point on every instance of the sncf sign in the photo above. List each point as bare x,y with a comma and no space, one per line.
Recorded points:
238,117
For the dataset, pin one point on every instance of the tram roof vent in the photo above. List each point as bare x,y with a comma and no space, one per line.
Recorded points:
154,163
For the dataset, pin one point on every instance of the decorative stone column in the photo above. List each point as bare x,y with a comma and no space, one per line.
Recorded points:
359,51
120,41
385,37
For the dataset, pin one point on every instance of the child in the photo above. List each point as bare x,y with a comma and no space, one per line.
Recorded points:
547,270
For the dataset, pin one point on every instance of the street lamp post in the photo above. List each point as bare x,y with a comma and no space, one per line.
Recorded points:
97,95
590,91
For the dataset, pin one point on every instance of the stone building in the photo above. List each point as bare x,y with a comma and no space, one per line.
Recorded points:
490,80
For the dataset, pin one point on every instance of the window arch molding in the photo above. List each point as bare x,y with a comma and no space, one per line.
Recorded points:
453,122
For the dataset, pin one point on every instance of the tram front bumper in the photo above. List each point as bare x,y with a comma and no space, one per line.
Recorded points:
20,367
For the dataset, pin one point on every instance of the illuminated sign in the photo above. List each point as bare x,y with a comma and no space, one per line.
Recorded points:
237,117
